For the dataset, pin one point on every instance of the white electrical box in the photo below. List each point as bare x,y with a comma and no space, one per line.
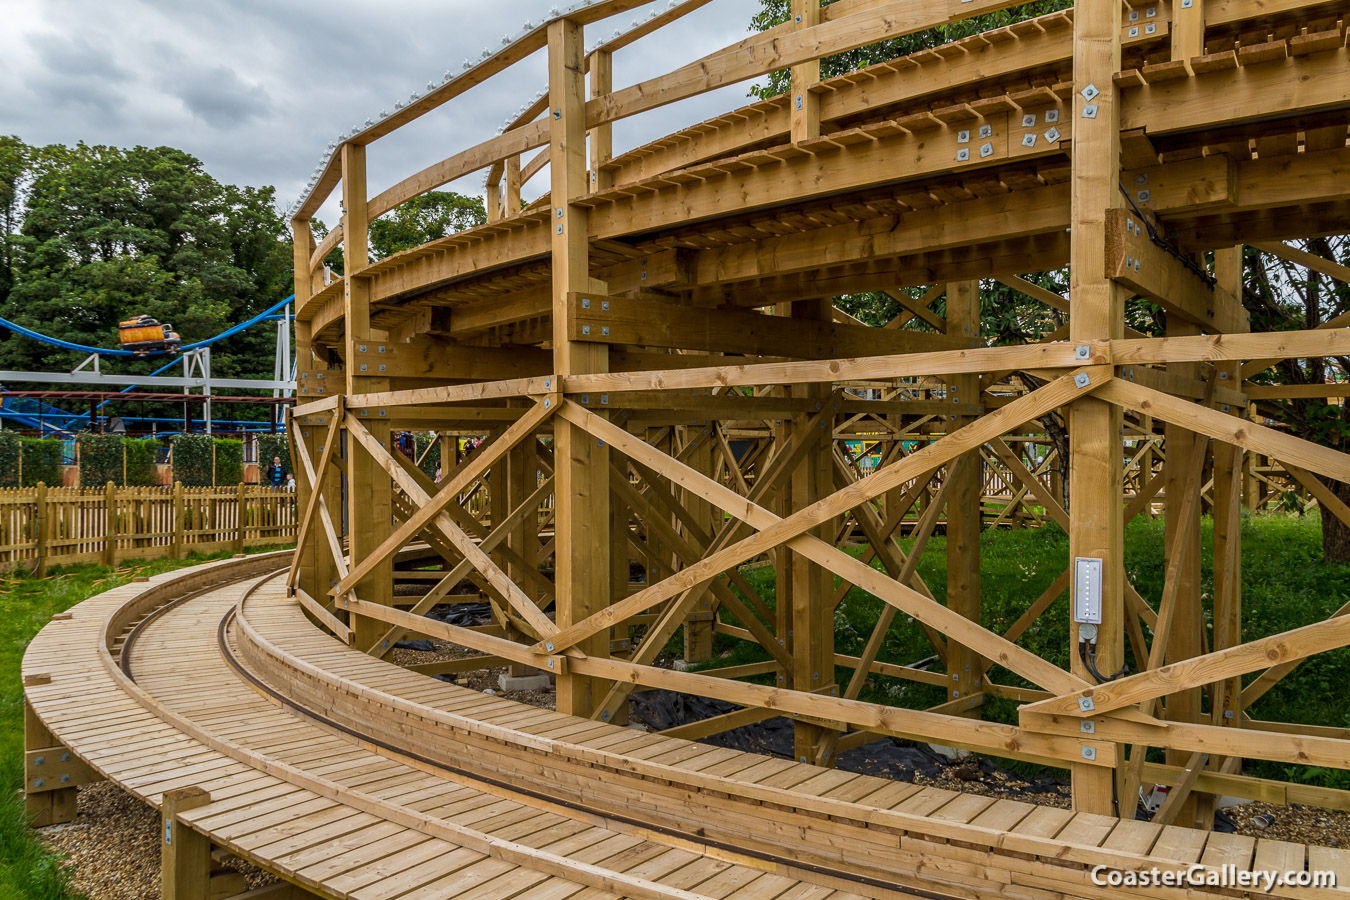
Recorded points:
1087,590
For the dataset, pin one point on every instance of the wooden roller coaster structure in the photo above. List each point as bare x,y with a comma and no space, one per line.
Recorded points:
618,335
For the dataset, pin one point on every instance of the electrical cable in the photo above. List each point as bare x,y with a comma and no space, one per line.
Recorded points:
1156,237
1087,651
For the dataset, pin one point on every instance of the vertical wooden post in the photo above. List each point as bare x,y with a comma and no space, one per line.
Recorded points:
303,247
40,529
179,525
110,524
602,136
185,855
812,616
494,201
581,462
240,537
805,104
1184,637
657,555
964,504
698,625
1096,527
369,489
521,478
512,201
1226,696
44,807
1251,485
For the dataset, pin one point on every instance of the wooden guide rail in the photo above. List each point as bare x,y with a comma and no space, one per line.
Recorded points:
653,344
43,527
353,778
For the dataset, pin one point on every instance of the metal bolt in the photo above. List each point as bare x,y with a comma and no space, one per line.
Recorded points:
1082,351
1089,753
39,760
1082,380
1086,705
1087,726
549,646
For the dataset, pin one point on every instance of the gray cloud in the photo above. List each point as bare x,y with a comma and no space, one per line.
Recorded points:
219,97
257,88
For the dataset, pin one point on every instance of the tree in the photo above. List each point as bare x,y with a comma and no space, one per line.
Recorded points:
429,217
1281,297
15,159
106,234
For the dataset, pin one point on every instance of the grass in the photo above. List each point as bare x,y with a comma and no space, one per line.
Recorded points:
27,870
1286,584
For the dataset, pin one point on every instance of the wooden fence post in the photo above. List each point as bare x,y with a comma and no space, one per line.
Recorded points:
179,538
240,521
185,854
40,529
110,527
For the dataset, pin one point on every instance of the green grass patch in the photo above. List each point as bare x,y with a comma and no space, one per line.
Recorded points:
27,870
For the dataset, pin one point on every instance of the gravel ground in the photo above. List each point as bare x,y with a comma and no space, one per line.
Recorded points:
113,846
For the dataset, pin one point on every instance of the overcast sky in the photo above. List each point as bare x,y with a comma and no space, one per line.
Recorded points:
257,88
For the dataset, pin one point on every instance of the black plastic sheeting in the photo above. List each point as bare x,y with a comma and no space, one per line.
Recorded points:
465,615
884,757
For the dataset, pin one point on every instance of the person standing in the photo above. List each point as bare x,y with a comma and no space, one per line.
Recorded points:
276,474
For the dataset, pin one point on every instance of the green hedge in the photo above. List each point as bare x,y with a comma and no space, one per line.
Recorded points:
193,464
100,459
114,457
39,459
142,455
229,461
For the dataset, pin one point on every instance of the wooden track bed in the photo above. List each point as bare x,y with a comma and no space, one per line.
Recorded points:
355,778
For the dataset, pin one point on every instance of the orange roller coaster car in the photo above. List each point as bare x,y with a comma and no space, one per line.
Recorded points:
145,334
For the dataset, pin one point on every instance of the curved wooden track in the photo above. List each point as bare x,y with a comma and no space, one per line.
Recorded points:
352,777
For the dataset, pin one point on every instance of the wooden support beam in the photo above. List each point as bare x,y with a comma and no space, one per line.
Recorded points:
963,501
582,521
185,854
614,320
791,530
1096,529
1248,435
1136,261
